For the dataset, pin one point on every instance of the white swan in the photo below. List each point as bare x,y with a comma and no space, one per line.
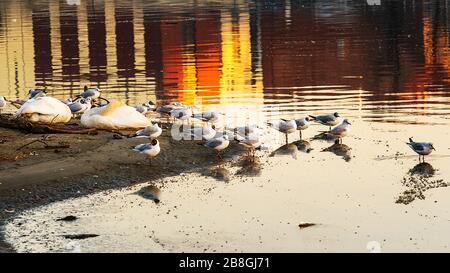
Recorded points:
115,115
45,110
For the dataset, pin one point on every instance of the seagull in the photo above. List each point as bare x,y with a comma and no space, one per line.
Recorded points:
341,130
244,131
203,132
149,149
422,148
68,101
182,113
329,120
285,126
153,131
218,144
3,101
166,109
251,142
80,106
32,94
145,107
35,93
91,92
211,117
302,124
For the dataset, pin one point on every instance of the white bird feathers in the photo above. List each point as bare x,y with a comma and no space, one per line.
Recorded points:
45,110
153,131
421,148
151,149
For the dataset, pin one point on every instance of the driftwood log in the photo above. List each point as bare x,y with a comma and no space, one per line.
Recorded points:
11,122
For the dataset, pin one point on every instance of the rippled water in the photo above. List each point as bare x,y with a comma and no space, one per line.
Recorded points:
387,62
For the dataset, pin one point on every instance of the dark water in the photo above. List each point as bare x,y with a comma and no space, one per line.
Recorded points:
381,62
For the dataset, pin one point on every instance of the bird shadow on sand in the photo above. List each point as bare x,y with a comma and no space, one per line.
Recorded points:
289,149
340,149
150,192
325,136
219,172
418,180
250,166
292,149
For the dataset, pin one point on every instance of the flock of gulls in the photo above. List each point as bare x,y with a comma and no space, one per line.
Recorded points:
37,107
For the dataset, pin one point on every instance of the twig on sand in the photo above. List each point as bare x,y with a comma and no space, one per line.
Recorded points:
24,125
41,140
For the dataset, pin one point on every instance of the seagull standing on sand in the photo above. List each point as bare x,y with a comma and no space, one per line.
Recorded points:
167,109
218,144
182,114
302,124
244,131
329,120
203,132
3,101
251,142
211,117
421,148
341,130
285,126
149,149
153,131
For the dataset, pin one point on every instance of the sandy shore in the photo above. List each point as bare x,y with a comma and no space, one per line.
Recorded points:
371,189
34,175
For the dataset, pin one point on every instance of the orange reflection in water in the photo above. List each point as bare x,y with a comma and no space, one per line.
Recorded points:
227,53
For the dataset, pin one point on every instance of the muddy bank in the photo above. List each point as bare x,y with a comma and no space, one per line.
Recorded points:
36,175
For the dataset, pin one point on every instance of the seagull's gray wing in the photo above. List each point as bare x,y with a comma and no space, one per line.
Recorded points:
142,147
417,146
213,143
325,118
88,93
75,107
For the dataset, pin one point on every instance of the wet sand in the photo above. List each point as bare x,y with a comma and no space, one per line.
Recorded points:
369,192
35,176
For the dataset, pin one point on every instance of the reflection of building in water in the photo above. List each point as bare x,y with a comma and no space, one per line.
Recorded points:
70,51
377,49
97,41
16,48
218,52
238,79
42,44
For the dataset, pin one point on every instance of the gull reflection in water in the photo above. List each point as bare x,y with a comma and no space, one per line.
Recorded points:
418,180
326,136
250,166
286,150
220,173
340,149
303,146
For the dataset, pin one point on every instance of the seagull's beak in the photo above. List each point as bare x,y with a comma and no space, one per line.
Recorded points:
432,147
